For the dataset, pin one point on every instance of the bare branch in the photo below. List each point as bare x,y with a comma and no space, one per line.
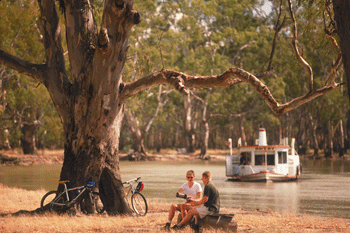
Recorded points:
241,48
296,50
33,70
218,115
180,80
197,97
160,49
334,69
52,35
155,113
277,29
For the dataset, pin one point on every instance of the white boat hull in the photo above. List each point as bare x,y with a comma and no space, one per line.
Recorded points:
263,176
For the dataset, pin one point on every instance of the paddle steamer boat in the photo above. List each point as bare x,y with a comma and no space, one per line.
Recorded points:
263,162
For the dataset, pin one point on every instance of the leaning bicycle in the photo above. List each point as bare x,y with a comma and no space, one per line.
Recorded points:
138,201
61,201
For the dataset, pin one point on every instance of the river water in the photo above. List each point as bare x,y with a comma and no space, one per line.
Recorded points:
323,190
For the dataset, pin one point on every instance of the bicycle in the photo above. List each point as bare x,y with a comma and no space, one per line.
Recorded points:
61,201
138,201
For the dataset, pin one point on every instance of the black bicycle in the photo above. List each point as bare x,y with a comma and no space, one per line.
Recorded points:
61,201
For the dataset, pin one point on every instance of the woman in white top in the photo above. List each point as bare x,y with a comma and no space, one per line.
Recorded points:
192,189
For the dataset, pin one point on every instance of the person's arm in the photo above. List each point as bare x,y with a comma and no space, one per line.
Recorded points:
199,195
201,201
181,190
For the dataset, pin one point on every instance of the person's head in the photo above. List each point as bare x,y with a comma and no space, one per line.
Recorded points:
190,176
206,177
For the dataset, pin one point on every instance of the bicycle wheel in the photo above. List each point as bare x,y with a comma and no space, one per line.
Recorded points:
139,204
48,199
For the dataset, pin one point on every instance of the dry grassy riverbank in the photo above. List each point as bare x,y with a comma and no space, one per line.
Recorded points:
13,200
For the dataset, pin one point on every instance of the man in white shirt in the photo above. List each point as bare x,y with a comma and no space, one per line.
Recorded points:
192,189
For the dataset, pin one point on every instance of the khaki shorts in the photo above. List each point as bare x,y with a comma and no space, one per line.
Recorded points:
203,211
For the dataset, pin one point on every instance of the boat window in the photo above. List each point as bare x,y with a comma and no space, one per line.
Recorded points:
270,159
247,157
259,159
282,157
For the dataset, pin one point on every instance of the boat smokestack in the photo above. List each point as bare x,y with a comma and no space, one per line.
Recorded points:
262,137
292,146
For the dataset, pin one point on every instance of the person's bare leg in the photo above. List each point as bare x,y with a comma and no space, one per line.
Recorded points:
184,209
192,212
172,210
196,218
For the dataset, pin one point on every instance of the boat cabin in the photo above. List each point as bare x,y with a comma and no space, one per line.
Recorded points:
264,162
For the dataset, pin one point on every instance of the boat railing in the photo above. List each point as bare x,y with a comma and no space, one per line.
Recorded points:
248,169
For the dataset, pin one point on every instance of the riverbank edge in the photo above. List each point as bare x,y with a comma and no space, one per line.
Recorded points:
15,157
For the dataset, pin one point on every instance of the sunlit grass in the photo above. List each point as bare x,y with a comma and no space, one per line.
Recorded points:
14,199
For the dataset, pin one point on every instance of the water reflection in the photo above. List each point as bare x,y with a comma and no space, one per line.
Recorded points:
282,197
323,189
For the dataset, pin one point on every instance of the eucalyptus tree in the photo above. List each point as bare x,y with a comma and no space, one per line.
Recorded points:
140,118
23,102
90,98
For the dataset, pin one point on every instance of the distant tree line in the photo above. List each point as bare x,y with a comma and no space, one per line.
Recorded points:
185,37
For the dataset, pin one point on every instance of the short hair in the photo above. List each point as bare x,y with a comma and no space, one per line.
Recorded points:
207,174
190,172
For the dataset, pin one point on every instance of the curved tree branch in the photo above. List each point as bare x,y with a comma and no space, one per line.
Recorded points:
334,69
180,80
296,50
277,29
240,49
35,71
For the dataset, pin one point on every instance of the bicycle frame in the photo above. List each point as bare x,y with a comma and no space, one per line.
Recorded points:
138,202
81,190
130,187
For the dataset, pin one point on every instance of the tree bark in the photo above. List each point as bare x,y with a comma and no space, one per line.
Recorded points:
313,135
301,136
188,131
205,129
342,140
28,138
342,17
138,137
242,132
329,147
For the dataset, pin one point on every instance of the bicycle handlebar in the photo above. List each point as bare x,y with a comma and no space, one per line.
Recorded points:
132,180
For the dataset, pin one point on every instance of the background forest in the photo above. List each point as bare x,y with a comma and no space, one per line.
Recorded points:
199,38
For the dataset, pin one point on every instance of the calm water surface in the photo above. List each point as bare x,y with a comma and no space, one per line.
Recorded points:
323,190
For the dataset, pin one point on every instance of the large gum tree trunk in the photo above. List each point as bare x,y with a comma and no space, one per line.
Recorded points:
94,153
88,102
93,116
